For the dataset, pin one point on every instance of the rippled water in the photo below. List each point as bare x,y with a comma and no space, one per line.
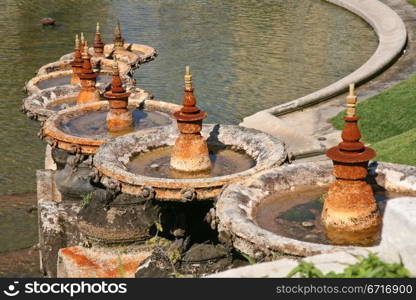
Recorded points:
245,56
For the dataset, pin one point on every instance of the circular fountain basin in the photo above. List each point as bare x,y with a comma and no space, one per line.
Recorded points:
82,129
144,53
47,102
60,78
134,55
105,64
116,162
274,212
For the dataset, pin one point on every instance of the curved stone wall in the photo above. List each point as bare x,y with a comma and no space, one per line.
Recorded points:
392,36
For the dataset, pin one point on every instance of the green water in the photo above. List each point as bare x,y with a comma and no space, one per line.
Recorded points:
245,56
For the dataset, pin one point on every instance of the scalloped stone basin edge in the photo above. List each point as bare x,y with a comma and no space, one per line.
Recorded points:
110,161
73,144
36,106
235,206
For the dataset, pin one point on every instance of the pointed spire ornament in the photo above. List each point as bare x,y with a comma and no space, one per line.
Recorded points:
119,118
350,213
190,152
76,63
118,39
88,77
98,43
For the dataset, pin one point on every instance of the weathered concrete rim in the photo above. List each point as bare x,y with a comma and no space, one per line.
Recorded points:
130,57
237,202
110,160
392,36
105,66
36,106
59,139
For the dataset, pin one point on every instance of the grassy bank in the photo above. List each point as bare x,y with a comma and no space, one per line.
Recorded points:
388,122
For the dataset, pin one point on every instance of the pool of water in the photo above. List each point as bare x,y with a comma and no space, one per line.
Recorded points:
245,56
156,163
66,102
62,80
297,215
94,123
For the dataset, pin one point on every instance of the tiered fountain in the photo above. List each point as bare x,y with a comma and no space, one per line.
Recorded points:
158,187
131,53
302,210
75,134
70,84
62,83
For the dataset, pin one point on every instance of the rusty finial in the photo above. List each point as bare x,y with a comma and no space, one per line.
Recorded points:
189,111
350,206
88,92
119,118
118,39
76,63
98,44
116,83
190,152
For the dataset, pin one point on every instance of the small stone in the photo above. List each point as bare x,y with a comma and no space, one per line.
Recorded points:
154,166
48,21
307,224
321,138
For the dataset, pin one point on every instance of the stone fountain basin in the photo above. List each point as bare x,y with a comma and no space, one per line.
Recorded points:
236,206
65,65
145,53
31,87
39,105
57,138
135,54
110,162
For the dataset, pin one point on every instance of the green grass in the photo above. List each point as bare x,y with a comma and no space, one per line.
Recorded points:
387,121
413,2
366,267
400,149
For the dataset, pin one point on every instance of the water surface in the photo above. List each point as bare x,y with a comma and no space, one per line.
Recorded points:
245,56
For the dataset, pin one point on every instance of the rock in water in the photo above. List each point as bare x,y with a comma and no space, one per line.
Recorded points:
47,21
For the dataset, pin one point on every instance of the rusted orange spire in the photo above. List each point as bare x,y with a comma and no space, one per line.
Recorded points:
350,210
98,45
118,39
76,63
190,152
88,92
117,91
119,117
351,150
189,112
